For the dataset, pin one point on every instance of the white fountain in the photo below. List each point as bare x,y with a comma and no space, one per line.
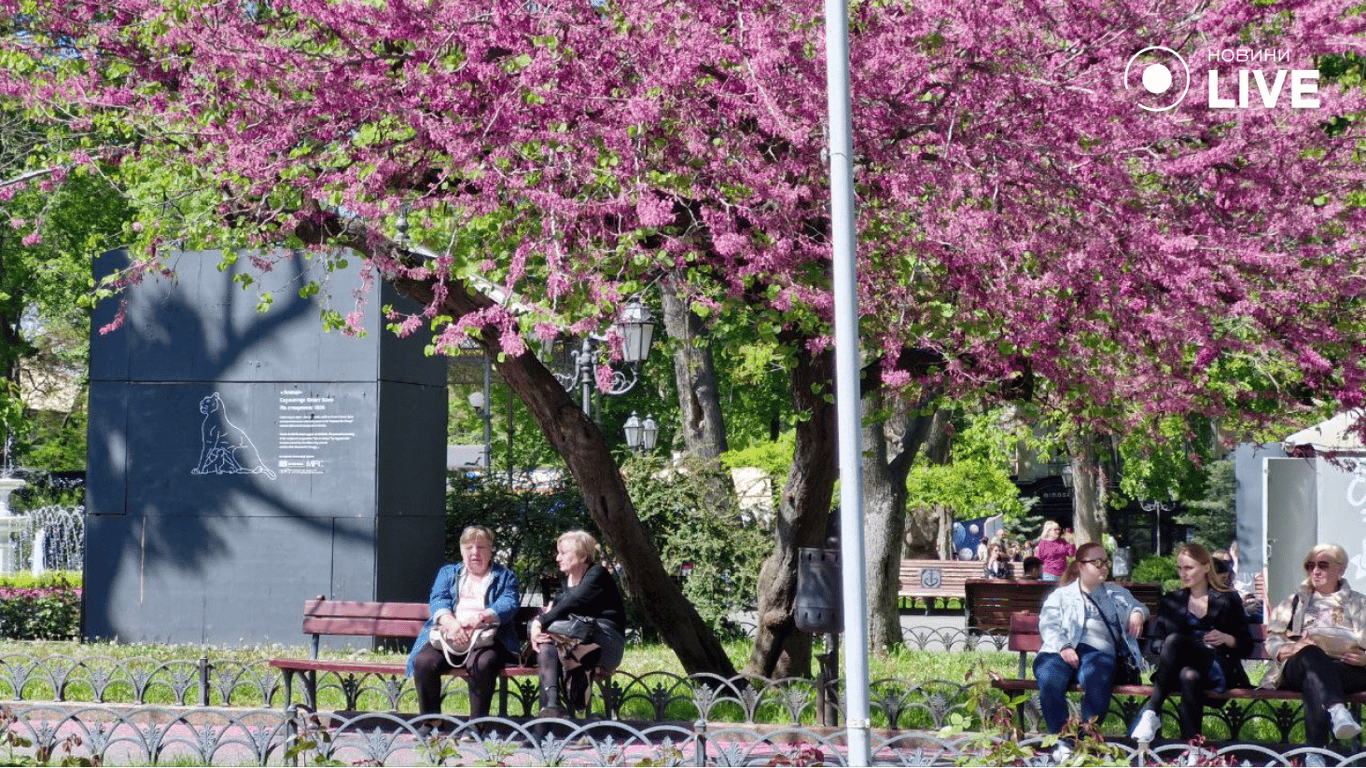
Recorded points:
10,524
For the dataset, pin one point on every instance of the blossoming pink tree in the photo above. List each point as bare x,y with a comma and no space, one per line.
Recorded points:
1021,217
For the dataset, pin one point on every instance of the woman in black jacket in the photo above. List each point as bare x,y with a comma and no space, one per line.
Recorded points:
1203,632
589,598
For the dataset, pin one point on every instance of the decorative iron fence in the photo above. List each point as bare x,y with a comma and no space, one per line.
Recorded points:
106,735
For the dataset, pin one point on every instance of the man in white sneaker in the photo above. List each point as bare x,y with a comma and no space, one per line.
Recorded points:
1317,642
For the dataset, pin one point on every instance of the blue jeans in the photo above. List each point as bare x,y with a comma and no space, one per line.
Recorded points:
1051,577
1055,676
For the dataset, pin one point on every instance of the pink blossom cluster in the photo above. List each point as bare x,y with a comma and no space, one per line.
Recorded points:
1018,212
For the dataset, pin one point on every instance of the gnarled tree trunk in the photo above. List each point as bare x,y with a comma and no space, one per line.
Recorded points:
802,521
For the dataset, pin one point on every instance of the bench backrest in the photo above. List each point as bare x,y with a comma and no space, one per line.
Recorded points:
1025,637
361,619
991,602
920,576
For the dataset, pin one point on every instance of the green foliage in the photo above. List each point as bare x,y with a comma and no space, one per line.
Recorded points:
1213,518
54,442
525,520
974,483
693,523
1157,569
42,608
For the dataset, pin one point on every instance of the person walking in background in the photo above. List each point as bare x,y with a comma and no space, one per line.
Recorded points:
1053,550
1080,624
1202,635
1314,638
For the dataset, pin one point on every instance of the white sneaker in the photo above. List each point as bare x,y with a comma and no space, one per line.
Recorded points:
1344,727
1061,753
1147,727
1314,760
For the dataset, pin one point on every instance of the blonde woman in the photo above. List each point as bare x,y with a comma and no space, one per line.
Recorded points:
588,595
1315,640
1054,551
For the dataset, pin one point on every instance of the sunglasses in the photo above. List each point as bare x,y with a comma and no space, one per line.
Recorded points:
1099,562
1322,565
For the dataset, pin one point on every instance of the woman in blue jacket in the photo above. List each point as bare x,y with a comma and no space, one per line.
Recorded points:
474,593
1081,624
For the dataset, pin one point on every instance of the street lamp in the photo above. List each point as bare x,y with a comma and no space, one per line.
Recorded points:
641,435
637,328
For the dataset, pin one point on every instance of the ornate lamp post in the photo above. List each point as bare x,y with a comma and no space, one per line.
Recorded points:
637,328
641,435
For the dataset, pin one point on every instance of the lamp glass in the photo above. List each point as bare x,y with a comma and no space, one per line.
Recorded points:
633,431
637,329
649,433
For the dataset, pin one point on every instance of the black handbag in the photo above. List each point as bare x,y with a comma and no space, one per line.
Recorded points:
575,627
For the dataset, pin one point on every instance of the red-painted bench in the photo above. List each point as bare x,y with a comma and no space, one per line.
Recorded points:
385,620
1025,639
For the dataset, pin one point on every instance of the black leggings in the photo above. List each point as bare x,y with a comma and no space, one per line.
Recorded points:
1184,668
483,666
1322,682
575,681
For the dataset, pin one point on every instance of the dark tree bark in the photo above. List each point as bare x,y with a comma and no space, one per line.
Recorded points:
890,448
699,404
802,521
1089,452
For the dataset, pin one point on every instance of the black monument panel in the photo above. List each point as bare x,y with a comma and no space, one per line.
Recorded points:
204,580
420,540
202,326
241,463
259,448
106,481
411,415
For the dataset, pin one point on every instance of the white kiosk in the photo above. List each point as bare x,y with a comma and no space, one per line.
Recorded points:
1309,489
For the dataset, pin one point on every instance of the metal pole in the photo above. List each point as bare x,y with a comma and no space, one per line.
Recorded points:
488,420
847,394
586,375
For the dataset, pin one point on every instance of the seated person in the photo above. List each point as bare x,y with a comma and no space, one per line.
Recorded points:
1314,640
467,595
1032,568
588,593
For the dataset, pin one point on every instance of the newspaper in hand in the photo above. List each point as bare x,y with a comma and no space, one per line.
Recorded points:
1335,641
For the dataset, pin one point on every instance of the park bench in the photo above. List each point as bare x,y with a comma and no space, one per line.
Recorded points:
989,603
383,621
935,581
1025,639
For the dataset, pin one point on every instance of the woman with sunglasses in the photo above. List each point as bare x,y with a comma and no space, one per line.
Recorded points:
1203,636
1081,625
1315,639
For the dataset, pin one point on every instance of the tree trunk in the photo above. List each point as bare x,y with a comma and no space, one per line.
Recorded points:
884,509
574,435
927,534
699,404
802,521
1090,518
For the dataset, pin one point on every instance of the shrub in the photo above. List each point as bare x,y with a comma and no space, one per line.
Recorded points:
1157,569
46,607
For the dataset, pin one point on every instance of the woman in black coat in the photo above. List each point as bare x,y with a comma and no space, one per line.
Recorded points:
1202,629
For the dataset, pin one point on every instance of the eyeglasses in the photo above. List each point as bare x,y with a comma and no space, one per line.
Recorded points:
1322,565
1099,562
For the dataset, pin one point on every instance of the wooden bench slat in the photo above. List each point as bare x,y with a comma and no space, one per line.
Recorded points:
352,626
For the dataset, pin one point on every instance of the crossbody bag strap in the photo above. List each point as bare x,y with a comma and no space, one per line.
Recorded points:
1119,643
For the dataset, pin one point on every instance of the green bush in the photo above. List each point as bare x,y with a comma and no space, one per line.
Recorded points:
525,522
1157,569
706,543
46,607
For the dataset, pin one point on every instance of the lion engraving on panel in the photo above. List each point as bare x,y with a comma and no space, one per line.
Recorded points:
227,450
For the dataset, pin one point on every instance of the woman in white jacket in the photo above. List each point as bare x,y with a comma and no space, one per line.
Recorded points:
1080,624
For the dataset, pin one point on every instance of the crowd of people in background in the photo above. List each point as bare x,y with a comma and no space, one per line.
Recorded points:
1046,558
